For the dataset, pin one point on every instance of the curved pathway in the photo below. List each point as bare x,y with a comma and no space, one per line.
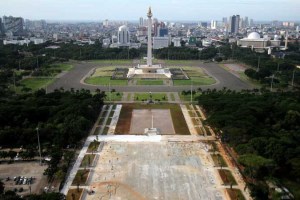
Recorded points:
73,79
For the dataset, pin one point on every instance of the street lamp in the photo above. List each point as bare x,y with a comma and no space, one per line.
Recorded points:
38,137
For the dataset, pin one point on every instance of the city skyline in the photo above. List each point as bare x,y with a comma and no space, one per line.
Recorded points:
190,10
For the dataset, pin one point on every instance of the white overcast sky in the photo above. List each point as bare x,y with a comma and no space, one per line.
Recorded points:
162,9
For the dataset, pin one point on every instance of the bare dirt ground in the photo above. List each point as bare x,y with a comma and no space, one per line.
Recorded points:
26,169
160,170
142,118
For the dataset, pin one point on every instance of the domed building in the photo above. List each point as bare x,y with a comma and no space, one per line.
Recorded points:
255,41
123,36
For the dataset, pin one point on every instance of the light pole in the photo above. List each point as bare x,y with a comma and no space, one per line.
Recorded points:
38,137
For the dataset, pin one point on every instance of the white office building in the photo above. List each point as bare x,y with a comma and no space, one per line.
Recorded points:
123,36
160,42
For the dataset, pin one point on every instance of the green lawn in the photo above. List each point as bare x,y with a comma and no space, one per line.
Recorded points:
35,83
62,66
188,97
196,80
113,96
146,96
104,71
150,82
113,62
180,62
105,80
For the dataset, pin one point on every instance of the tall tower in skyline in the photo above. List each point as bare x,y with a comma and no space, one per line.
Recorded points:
141,22
149,52
234,23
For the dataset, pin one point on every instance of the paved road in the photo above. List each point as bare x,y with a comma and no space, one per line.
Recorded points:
73,78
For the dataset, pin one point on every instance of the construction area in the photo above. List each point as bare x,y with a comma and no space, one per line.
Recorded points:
154,170
162,166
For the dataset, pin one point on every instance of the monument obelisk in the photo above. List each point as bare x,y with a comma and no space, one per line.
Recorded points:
149,70
149,52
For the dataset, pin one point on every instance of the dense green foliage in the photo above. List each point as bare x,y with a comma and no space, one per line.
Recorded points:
62,117
185,53
262,128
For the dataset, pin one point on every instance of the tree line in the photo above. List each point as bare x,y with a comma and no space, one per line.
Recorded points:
263,128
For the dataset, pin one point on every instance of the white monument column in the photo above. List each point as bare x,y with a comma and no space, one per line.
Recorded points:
149,53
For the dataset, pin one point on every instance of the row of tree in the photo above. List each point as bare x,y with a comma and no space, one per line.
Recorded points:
263,128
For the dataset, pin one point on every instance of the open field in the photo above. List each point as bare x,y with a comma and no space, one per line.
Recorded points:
113,96
112,62
25,169
124,122
146,96
104,80
104,71
153,170
62,67
150,82
35,83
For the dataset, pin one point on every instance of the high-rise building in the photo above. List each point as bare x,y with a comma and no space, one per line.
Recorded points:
123,36
1,27
246,21
141,21
251,22
15,25
213,24
234,24
105,23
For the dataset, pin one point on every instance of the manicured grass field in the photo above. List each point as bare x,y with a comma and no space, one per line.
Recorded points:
150,82
104,71
35,83
196,80
113,62
113,96
180,62
105,80
62,66
188,97
146,96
